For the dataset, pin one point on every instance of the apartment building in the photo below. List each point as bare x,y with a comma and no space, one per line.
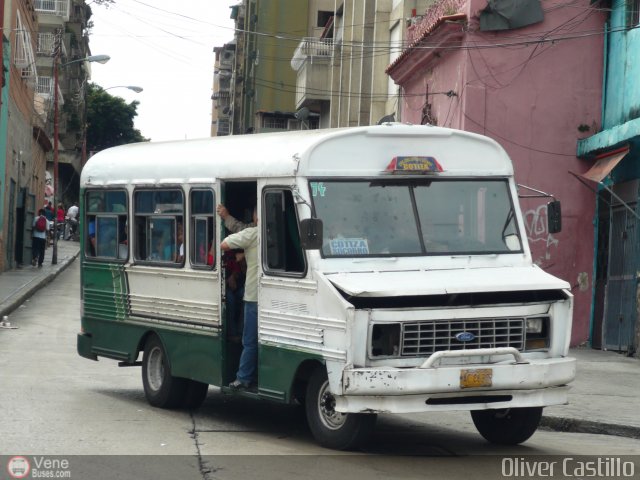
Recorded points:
63,23
341,66
316,64
23,138
31,30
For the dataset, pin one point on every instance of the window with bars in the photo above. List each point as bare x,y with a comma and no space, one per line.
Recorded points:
274,123
24,57
633,13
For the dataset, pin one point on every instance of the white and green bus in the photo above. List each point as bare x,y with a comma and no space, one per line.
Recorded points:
394,277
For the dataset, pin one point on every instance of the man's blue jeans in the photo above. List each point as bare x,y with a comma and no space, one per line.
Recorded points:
249,358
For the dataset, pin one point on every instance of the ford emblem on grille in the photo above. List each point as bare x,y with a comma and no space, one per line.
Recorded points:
465,337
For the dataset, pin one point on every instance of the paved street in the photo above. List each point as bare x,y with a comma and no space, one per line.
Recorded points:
57,403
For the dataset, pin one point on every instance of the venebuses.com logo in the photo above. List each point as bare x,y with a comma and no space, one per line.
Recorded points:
38,467
18,467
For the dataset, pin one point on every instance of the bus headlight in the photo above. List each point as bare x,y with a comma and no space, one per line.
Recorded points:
534,325
537,333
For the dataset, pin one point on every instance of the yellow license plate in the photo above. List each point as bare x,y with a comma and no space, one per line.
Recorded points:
476,378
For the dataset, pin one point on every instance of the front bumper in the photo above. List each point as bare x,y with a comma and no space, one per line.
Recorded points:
85,346
537,382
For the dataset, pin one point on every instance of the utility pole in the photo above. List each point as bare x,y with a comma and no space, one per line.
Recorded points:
56,180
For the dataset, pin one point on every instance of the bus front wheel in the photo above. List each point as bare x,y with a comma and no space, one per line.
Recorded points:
331,429
160,387
509,426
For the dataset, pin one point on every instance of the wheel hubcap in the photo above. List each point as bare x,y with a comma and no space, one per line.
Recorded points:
155,369
326,408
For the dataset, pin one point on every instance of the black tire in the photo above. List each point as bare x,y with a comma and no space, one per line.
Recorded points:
160,387
332,429
194,394
509,426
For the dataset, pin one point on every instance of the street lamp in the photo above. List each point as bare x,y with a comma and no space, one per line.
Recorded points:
91,58
130,87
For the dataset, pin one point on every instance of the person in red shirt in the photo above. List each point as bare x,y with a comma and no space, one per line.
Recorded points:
60,213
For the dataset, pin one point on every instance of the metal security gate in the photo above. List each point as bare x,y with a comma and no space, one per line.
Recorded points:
10,240
620,303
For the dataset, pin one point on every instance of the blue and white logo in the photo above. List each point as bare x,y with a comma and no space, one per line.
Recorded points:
465,337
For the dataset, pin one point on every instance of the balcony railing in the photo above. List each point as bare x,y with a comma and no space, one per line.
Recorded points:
46,44
44,87
58,8
311,47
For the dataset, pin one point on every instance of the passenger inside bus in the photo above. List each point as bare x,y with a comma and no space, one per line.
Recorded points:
180,242
235,274
161,251
95,206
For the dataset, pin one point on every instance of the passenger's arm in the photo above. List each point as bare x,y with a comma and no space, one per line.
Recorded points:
231,223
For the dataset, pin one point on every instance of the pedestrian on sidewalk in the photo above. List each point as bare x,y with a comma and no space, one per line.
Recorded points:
39,238
50,214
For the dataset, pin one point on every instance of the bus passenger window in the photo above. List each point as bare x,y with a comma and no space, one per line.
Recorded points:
106,223
202,229
158,227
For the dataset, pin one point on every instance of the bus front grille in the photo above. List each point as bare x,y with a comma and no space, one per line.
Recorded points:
427,337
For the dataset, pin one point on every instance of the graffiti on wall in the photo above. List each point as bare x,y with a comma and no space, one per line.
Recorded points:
535,222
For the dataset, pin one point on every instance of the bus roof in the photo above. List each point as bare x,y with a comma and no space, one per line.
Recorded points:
348,152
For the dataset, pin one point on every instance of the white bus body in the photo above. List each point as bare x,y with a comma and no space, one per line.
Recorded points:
422,297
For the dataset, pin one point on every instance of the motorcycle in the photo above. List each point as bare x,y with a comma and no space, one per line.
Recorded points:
60,230
72,229
50,233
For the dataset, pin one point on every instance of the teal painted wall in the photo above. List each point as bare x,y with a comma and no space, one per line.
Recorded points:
622,95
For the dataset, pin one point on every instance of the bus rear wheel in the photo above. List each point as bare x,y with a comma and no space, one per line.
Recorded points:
509,426
332,429
161,388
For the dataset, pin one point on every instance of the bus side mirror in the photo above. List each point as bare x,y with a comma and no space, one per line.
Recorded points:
311,233
554,217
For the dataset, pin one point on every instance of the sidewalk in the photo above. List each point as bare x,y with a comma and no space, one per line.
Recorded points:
604,398
18,285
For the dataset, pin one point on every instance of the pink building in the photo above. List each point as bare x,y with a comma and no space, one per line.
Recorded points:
528,74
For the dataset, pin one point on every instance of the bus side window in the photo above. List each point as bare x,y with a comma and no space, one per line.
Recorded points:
106,221
282,250
158,217
202,229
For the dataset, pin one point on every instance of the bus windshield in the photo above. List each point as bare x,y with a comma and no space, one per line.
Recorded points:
415,217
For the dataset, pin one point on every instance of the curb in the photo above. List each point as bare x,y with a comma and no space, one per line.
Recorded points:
21,296
574,425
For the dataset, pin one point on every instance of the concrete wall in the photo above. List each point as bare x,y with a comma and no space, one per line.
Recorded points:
275,80
531,99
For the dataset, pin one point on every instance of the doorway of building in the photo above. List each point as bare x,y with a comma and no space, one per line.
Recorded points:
620,315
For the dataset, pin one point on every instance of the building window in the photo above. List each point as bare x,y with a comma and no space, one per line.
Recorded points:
282,250
323,18
274,123
107,225
633,13
159,226
202,229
